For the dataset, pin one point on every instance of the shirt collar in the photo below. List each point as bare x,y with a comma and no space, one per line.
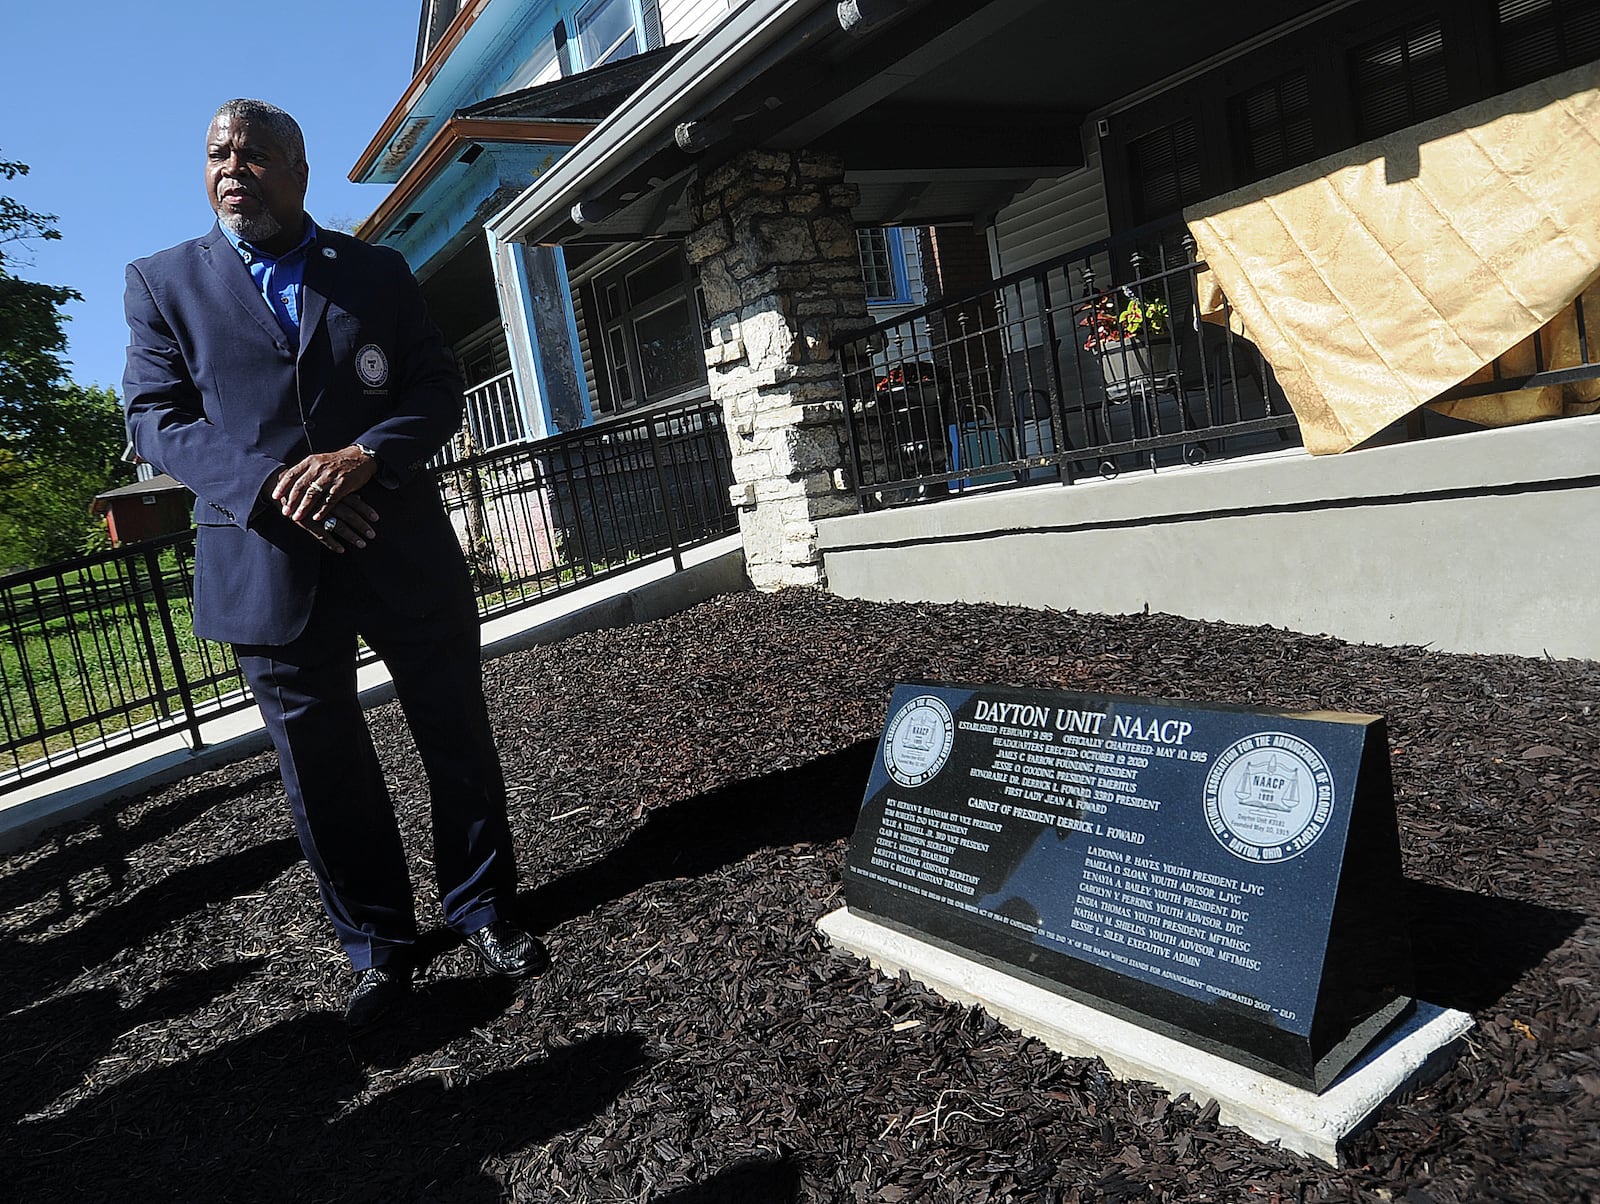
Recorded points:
249,251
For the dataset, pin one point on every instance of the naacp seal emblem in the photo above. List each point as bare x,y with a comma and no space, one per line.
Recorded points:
1268,797
917,742
372,366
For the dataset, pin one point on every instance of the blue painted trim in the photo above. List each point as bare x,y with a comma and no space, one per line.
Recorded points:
539,423
572,331
894,237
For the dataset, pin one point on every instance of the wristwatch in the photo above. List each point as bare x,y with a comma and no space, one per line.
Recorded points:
365,450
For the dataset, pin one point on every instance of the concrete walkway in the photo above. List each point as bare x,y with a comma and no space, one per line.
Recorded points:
651,592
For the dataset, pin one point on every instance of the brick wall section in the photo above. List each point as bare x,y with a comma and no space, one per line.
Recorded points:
959,259
774,245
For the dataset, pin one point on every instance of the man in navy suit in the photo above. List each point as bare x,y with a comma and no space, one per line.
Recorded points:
291,378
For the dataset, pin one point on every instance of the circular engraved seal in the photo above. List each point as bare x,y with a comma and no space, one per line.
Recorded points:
1268,797
917,742
372,366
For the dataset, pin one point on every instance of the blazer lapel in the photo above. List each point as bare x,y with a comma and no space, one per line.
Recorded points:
221,258
314,286
316,283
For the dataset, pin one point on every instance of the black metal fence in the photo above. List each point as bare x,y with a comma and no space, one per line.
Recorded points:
98,654
1096,362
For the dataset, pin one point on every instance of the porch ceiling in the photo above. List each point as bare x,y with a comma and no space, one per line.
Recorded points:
941,109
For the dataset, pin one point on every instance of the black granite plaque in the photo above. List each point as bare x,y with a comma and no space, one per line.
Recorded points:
1230,877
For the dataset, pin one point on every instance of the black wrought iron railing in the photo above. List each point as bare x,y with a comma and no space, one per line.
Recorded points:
1097,362
536,518
1562,356
97,655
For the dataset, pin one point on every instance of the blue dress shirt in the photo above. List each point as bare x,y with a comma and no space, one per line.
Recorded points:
280,278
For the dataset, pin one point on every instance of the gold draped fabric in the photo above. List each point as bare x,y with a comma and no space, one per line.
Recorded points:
1375,279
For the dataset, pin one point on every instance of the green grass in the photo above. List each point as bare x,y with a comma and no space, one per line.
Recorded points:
85,646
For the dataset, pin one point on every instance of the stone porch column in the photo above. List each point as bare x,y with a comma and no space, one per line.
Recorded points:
774,245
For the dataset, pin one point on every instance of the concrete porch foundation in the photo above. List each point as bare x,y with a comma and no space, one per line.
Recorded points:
1419,1048
1478,542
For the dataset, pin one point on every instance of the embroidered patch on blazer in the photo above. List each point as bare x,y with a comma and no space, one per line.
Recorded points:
372,366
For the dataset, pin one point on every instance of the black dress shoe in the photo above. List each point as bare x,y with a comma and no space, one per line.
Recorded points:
377,991
507,950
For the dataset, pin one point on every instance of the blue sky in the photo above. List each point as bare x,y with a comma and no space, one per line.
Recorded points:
107,102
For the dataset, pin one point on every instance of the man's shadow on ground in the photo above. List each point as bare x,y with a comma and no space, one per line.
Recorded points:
814,803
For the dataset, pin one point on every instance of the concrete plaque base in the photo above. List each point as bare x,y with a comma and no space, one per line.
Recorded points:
1417,1048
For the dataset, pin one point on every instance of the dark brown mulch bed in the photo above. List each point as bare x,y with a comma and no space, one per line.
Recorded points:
682,793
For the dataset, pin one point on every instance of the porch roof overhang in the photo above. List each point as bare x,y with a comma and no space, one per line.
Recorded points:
454,144
942,110
457,54
485,153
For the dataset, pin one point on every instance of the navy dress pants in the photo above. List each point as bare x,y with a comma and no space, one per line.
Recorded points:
343,814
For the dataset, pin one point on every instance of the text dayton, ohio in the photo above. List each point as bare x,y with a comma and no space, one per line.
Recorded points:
1088,723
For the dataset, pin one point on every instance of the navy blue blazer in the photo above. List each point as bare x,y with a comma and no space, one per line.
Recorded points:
216,397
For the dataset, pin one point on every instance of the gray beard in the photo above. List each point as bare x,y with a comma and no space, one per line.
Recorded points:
252,229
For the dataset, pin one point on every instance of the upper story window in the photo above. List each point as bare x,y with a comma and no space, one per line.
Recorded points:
603,31
606,30
436,18
883,265
1400,80
1542,37
1164,171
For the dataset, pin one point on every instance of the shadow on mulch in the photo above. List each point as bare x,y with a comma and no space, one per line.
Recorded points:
36,967
286,1115
814,803
1468,950
775,1181
115,839
51,1046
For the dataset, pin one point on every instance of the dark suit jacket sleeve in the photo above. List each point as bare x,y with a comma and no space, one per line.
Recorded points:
429,399
167,421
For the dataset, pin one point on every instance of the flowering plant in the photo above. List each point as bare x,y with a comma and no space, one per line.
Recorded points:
1109,326
903,375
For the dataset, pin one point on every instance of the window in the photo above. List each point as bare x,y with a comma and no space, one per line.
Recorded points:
1272,129
436,18
1164,171
883,265
1400,80
1541,37
606,30
650,333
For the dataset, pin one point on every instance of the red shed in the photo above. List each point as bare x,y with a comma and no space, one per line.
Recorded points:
145,509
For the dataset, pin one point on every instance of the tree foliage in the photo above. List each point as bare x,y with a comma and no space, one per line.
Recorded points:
45,493
59,442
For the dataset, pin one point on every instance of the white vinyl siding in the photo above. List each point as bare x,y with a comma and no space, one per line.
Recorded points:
685,19
1049,220
1052,218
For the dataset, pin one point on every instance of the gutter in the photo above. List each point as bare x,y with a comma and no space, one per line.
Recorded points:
455,134
644,123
